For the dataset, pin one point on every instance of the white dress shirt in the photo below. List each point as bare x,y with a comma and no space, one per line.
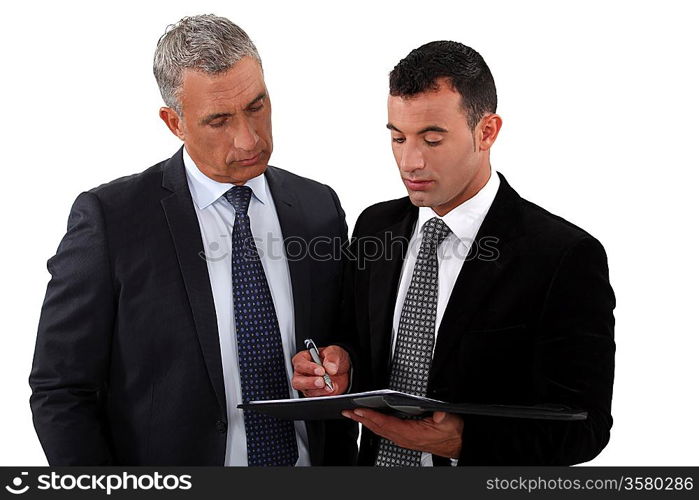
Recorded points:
216,216
464,222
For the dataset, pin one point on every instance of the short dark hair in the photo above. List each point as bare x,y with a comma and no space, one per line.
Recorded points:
466,70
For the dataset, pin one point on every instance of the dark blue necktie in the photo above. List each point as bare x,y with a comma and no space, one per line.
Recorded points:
260,355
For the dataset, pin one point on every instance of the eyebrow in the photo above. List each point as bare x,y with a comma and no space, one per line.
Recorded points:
430,128
214,116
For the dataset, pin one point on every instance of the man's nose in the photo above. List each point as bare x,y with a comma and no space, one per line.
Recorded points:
410,158
245,137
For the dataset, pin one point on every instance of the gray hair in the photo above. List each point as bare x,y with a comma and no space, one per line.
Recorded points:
205,43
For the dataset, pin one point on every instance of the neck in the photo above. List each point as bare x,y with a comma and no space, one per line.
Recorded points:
469,191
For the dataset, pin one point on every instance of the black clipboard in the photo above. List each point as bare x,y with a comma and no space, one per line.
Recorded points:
401,404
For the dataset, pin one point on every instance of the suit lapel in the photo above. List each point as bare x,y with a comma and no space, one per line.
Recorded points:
384,277
294,230
480,272
186,236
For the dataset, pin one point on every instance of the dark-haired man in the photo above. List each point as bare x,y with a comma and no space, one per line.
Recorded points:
494,299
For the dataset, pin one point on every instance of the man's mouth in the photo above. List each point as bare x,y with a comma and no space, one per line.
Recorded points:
248,161
417,184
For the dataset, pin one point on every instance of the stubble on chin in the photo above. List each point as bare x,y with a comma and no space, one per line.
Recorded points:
417,200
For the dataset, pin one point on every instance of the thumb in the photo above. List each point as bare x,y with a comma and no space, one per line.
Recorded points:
330,366
331,360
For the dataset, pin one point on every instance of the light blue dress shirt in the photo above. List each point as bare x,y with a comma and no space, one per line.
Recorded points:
216,217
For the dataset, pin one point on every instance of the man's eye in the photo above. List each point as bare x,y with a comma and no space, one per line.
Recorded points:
217,124
399,140
255,109
433,144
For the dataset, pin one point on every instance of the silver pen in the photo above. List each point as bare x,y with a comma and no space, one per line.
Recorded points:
311,346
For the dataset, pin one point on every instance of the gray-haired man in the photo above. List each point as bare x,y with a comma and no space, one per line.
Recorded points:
161,316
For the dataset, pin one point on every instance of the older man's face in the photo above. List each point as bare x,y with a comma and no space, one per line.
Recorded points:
226,121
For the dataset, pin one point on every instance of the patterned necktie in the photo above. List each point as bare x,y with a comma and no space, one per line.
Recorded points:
260,355
414,344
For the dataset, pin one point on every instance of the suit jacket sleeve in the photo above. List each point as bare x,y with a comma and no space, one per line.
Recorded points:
341,435
574,361
72,352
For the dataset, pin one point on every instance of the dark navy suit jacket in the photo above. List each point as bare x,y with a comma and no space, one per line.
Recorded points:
127,367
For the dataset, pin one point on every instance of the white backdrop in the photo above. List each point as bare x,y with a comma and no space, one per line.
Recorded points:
600,110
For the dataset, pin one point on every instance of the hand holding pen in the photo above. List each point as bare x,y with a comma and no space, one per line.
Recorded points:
321,371
315,355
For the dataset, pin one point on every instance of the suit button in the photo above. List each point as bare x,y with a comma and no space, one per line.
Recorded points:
221,426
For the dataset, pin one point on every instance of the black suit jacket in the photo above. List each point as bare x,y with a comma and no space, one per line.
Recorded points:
529,321
127,367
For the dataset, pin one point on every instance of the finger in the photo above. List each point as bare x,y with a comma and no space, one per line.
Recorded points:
307,367
438,417
303,383
349,414
316,393
358,416
392,428
375,420
303,360
335,360
301,355
376,417
340,383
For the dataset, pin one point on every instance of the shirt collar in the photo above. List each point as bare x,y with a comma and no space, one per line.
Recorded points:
465,219
206,191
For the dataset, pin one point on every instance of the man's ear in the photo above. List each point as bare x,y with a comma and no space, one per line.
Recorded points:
490,128
173,121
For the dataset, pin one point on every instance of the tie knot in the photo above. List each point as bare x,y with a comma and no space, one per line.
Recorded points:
434,232
239,197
